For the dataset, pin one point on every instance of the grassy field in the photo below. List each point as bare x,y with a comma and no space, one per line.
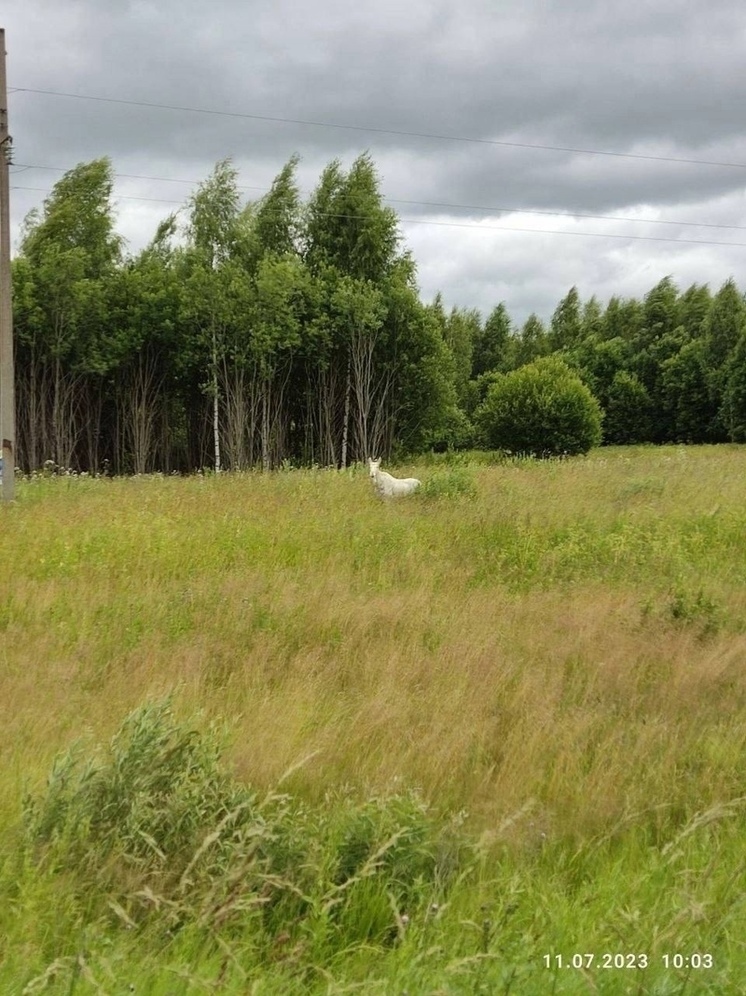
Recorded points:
487,739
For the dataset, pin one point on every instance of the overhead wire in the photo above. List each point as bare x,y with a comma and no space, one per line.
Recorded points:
384,131
514,209
432,204
495,228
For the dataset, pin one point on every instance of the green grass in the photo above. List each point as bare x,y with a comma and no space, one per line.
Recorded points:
271,734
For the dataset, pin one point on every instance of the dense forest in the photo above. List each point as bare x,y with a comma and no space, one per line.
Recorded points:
290,332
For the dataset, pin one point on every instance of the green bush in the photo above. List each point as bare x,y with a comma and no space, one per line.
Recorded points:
153,830
455,433
454,483
542,409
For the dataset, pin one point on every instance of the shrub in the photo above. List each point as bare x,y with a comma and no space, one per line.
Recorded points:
454,483
542,409
455,433
153,830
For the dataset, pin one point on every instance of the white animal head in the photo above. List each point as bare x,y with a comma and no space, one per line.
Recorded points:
374,465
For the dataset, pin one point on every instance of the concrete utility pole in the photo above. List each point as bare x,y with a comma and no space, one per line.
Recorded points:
7,387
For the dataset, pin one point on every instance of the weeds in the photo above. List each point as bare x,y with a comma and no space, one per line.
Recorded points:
484,657
455,483
158,828
695,609
165,851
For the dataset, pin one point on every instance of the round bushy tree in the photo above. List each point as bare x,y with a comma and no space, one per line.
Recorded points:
542,409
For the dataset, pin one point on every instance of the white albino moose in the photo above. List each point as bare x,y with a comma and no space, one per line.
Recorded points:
388,486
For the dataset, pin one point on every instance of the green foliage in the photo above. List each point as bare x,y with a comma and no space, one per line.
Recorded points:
455,431
628,410
532,342
348,227
695,608
694,308
543,409
733,410
281,329
566,327
454,483
649,364
157,825
385,374
143,302
145,804
478,389
494,343
77,216
213,215
726,322
592,320
725,328
660,312
622,319
424,395
282,287
357,306
597,362
686,394
276,220
462,330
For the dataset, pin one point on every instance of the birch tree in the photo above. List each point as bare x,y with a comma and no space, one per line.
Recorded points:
213,234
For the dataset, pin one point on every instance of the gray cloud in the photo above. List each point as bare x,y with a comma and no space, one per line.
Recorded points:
651,78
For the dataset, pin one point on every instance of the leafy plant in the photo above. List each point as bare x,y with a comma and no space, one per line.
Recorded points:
542,409
454,483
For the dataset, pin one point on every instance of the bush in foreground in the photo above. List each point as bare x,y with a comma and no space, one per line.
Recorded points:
146,869
158,830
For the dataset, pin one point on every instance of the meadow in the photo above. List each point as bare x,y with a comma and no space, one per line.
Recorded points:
269,734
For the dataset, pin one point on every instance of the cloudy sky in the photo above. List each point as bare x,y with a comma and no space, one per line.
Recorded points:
526,146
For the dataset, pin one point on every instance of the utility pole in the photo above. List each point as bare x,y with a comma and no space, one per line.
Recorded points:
7,369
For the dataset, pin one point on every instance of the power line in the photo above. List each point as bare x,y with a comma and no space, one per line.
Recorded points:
552,231
438,204
383,131
138,176
126,197
569,214
494,228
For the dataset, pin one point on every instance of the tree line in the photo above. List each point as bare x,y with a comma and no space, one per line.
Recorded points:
670,368
291,332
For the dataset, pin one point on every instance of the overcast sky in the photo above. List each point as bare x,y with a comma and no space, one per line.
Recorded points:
457,104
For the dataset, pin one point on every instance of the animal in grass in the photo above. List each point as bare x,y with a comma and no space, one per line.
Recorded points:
388,486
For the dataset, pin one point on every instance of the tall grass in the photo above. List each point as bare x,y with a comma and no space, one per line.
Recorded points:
515,702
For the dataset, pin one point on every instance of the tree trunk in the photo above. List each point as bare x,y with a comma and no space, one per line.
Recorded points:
65,409
327,416
265,424
346,417
215,402
95,392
